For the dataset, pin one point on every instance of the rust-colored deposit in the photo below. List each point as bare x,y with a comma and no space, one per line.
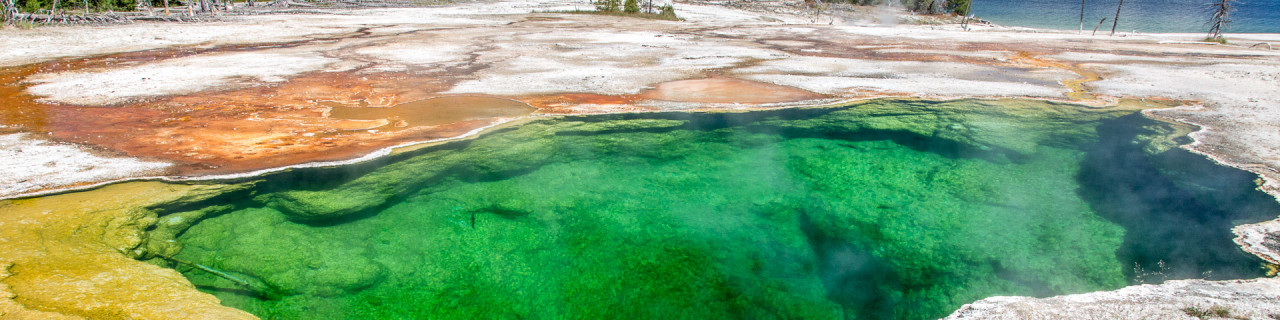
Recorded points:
260,127
1078,90
571,103
727,90
431,112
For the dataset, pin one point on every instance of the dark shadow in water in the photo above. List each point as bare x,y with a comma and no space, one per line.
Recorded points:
1176,207
854,278
461,173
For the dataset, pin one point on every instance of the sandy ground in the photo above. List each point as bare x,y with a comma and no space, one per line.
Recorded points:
85,105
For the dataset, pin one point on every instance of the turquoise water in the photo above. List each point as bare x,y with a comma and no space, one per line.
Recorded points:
1251,16
881,210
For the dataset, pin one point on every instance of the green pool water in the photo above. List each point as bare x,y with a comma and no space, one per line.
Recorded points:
890,209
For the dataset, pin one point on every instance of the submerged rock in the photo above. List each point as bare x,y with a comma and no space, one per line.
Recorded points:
285,256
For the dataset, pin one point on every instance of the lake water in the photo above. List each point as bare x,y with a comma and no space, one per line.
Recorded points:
1250,16
881,210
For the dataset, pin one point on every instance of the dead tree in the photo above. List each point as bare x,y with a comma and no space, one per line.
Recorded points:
1082,16
144,5
10,11
1221,16
1117,19
52,12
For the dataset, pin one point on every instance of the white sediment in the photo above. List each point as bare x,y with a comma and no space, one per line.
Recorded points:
1261,239
600,62
172,77
32,164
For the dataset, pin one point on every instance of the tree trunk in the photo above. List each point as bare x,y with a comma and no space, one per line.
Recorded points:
9,12
1221,16
1116,21
86,7
144,5
1082,16
206,5
965,22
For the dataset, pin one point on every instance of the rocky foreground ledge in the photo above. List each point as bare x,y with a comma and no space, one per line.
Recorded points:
247,94
1177,299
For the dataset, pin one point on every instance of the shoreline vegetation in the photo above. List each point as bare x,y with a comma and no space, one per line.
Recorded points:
629,8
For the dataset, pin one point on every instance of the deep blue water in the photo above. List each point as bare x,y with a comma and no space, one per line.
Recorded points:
1250,16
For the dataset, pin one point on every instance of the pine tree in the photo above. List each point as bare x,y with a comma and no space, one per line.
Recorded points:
960,7
668,12
632,6
607,5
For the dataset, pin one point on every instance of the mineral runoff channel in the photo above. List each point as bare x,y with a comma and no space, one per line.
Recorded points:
882,209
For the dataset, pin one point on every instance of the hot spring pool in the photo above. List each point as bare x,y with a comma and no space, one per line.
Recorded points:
889,209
